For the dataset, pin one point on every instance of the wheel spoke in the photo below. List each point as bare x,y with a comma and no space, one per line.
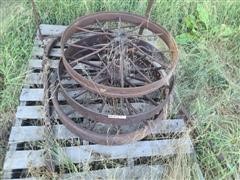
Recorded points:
82,47
147,69
150,57
148,98
131,107
85,90
102,28
128,107
102,107
94,32
137,69
132,76
91,64
136,28
122,68
91,54
147,36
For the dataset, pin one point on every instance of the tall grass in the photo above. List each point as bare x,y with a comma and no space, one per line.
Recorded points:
208,34
16,38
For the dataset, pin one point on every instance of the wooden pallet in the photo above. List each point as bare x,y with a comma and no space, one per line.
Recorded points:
29,128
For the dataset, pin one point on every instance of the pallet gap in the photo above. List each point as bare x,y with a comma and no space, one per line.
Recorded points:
34,103
32,122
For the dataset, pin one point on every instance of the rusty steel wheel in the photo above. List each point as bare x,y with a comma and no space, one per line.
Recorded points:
117,79
120,110
116,36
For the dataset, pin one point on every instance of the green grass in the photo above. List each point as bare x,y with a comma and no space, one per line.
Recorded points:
208,34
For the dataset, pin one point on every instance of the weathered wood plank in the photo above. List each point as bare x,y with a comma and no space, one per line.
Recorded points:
52,30
35,94
34,78
30,112
37,79
90,153
137,172
37,64
23,159
35,133
138,149
27,178
38,51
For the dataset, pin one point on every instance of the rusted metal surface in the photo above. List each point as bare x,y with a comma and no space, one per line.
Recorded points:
121,80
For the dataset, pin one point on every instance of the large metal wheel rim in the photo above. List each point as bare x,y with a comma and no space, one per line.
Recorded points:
115,91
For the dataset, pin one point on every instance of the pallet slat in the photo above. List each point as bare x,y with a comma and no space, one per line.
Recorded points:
35,133
39,51
37,79
30,112
35,94
137,172
52,30
30,178
90,153
34,79
37,64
